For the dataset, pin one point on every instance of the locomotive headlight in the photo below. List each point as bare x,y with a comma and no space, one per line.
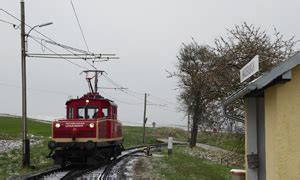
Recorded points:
92,125
57,125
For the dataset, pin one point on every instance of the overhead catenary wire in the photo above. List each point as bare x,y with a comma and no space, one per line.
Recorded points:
35,89
71,49
67,48
10,23
54,57
121,101
150,103
130,92
163,100
13,16
80,27
82,54
122,89
78,65
63,46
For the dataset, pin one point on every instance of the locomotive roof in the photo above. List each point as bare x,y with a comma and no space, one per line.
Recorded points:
93,96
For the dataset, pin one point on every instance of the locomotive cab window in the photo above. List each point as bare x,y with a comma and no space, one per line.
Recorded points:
70,113
87,112
92,112
104,112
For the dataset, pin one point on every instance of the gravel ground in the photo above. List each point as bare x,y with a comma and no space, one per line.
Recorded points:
8,145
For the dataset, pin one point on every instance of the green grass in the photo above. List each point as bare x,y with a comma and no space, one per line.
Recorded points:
165,132
180,166
10,162
230,141
11,128
134,136
184,166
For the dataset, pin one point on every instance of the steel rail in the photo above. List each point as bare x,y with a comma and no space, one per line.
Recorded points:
44,173
148,147
109,167
79,171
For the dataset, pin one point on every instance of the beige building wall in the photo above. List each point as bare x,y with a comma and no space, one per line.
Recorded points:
282,129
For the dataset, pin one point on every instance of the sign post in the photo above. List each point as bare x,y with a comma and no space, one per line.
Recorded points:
170,146
249,69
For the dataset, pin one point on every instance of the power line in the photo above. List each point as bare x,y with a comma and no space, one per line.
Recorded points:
44,35
169,102
155,97
136,92
59,55
112,82
80,26
10,23
130,93
63,46
74,49
121,101
124,91
33,89
81,55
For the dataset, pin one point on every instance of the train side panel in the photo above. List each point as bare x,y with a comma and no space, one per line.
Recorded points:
109,130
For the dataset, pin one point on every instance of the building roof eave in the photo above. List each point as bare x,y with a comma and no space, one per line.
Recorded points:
281,70
240,93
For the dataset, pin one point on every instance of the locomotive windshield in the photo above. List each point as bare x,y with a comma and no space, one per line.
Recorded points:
105,112
87,112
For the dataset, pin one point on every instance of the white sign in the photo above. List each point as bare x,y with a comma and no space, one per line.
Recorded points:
249,69
170,143
75,124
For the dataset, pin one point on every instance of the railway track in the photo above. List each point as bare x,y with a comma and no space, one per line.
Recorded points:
101,171
46,173
129,152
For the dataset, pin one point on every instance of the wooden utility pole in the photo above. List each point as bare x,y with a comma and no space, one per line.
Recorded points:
25,140
145,118
188,127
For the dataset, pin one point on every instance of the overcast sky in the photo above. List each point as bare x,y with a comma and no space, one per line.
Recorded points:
146,35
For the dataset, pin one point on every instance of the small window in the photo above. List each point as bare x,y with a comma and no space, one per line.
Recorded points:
105,112
80,114
70,115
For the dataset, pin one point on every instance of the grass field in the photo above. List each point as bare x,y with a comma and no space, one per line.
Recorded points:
184,166
180,166
11,127
10,162
230,141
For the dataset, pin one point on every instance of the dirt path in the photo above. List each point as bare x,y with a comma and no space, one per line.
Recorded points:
203,146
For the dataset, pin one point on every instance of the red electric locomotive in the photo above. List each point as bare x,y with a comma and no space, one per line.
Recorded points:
90,133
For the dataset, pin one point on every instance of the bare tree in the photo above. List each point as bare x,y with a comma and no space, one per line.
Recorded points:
241,45
194,71
208,75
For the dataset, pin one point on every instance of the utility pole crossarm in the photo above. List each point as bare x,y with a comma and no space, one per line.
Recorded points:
73,56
